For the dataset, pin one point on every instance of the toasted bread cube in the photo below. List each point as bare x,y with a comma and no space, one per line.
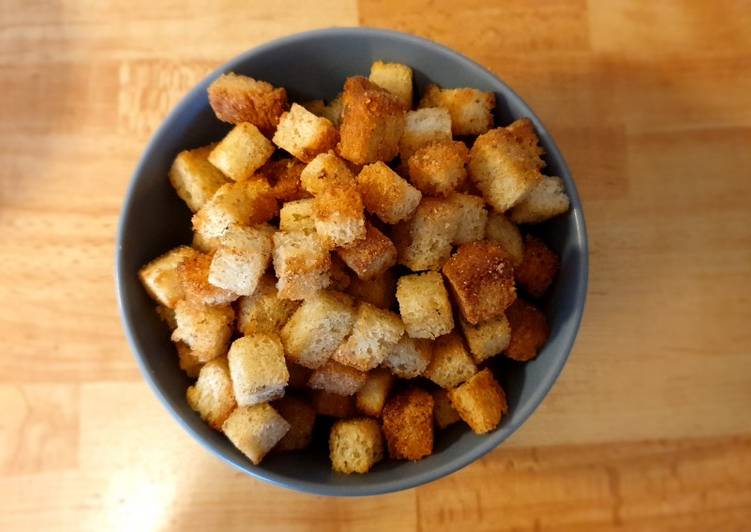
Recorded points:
355,445
264,311
437,168
317,328
375,332
538,268
167,315
243,151
211,395
451,364
473,218
444,413
502,230
161,277
194,178
481,278
333,405
206,330
372,122
205,244
386,194
529,331
255,430
333,111
304,134
424,305
339,216
188,361
505,164
242,258
259,372
194,278
298,376
395,78
241,203
370,256
325,170
379,291
301,263
236,98
545,201
424,241
372,396
408,424
301,418
339,274
423,126
471,110
480,402
337,378
285,178
488,338
314,106
297,216
410,357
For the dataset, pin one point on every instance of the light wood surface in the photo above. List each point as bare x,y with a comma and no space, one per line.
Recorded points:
649,426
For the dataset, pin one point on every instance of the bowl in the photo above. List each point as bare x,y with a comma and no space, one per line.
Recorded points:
153,220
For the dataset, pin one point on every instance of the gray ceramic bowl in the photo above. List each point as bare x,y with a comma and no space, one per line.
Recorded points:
315,65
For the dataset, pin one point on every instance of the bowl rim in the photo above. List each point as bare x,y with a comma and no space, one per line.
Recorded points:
368,487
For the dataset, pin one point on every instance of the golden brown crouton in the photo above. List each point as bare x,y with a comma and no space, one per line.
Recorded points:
304,134
195,179
471,110
284,176
370,256
242,203
333,405
340,275
355,445
372,122
410,357
424,305
255,430
339,216
444,413
480,402
386,194
546,200
188,361
379,291
301,263
161,277
395,78
482,280
243,255
297,216
236,98
264,311
205,244
298,376
205,330
301,418
538,268
167,315
375,332
372,396
432,124
451,364
314,106
332,111
529,331
258,369
488,338
424,241
337,378
472,220
194,278
324,171
211,396
502,230
243,151
408,424
437,168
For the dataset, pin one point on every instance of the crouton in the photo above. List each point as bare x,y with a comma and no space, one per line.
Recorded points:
337,378
481,278
303,134
372,396
502,230
544,201
339,274
451,364
242,258
386,194
333,405
538,268
284,176
325,170
161,277
297,216
529,331
375,332
339,216
259,372
205,244
370,256
188,361
264,311
424,241
194,178
243,151
236,98
480,402
333,110
505,164
301,263
424,305
379,291
242,203
437,168
488,338
410,357
408,424
444,413
255,430
423,126
211,395
167,315
194,278
298,376
473,218
205,330
372,122
355,445
471,110
317,328
395,78
314,106
301,418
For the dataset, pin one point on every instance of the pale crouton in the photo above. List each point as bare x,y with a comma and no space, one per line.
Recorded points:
444,413
379,291
471,110
205,244
304,134
386,194
298,376
264,311
372,122
437,168
481,278
242,258
167,315
194,278
423,126
243,151
355,445
188,361
395,78
324,171
505,164
410,357
372,396
259,372
424,241
375,332
211,396
340,275
236,98
424,305
337,378
317,328
503,231
370,256
284,177
529,331
480,402
161,277
195,179
473,218
451,364
333,405
242,203
408,424
538,268
487,338
297,216
301,263
205,330
301,418
255,430
339,216
546,200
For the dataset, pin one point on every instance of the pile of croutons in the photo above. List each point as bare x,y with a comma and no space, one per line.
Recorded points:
336,249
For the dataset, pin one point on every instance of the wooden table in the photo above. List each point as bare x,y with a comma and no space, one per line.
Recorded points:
649,426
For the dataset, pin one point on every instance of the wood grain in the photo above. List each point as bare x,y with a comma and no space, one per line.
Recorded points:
647,429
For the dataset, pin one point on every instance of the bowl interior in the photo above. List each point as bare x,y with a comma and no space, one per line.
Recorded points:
154,219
